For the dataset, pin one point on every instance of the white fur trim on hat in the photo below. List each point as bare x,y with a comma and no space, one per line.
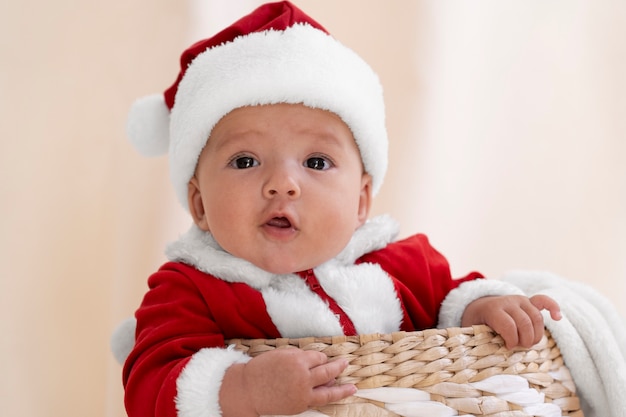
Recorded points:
300,65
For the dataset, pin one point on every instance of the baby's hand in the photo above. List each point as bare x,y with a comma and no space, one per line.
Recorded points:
516,318
285,382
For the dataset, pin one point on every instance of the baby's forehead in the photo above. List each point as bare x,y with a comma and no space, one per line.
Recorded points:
318,123
279,109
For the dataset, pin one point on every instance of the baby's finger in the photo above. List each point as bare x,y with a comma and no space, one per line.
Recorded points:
326,373
324,394
506,327
543,302
315,359
523,324
535,331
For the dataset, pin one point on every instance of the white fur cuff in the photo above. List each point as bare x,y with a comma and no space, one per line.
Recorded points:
457,300
198,385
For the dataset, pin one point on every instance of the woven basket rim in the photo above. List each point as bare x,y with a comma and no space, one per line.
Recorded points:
368,337
444,362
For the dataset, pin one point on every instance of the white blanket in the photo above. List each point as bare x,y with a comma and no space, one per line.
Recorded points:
592,339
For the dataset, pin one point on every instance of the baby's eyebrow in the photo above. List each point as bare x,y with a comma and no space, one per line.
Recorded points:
233,139
322,136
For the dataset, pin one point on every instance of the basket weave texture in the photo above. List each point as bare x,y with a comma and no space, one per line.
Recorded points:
454,371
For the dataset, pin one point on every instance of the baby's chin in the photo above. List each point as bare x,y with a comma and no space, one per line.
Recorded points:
283,268
286,264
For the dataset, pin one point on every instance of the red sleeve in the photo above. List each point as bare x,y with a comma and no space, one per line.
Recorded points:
183,312
172,325
422,278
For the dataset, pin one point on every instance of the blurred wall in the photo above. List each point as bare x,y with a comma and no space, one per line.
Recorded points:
80,210
507,134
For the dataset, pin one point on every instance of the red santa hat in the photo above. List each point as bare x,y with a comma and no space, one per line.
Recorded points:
276,54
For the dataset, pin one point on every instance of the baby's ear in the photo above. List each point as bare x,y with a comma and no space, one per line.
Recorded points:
196,205
365,199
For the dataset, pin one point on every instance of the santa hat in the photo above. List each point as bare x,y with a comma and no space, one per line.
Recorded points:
276,54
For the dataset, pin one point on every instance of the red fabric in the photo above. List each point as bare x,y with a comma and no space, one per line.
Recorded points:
277,16
186,310
422,279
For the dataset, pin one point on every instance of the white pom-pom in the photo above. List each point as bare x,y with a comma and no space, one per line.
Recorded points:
123,339
148,125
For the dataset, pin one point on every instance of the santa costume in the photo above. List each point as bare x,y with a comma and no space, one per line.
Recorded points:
205,296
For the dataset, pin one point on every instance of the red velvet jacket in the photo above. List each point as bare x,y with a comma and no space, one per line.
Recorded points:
187,311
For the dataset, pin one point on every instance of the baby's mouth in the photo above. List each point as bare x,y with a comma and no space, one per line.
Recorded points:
280,222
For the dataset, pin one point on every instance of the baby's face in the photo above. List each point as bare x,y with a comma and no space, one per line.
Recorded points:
281,186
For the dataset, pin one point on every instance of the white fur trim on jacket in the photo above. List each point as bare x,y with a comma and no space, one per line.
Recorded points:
457,300
291,303
366,294
199,383
199,249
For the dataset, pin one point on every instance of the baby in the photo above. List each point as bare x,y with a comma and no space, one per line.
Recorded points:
277,145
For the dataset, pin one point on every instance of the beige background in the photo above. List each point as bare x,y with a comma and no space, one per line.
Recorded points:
508,140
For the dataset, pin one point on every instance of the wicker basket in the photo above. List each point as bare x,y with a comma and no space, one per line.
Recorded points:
441,372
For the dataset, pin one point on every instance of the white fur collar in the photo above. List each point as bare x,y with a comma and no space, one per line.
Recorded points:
199,249
363,291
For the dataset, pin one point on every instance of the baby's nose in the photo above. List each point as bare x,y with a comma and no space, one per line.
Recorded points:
282,183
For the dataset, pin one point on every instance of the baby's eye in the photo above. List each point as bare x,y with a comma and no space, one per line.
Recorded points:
244,162
318,163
